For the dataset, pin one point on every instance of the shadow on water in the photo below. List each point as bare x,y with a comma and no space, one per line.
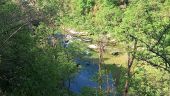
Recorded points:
87,76
84,77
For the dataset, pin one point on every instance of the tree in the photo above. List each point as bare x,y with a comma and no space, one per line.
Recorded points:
29,66
141,23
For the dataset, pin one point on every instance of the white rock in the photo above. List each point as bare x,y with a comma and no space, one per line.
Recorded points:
92,46
69,37
73,31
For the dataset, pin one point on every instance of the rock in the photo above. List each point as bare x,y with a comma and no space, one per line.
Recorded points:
68,36
59,36
87,39
72,31
83,33
116,53
77,39
92,46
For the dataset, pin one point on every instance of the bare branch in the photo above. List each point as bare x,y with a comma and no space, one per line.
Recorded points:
13,34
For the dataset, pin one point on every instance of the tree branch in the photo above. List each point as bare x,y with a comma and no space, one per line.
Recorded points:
13,34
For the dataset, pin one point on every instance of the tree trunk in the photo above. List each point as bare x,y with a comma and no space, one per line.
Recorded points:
131,57
128,74
101,45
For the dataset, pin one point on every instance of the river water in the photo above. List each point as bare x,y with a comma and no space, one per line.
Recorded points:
84,76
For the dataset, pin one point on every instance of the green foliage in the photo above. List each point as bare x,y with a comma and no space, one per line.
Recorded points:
86,91
76,49
29,66
146,21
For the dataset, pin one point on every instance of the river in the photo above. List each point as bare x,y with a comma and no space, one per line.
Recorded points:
84,76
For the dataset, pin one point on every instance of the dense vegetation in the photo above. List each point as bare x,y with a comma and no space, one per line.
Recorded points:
34,63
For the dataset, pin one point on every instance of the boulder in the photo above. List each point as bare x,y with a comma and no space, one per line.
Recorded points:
116,53
68,36
87,39
93,46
